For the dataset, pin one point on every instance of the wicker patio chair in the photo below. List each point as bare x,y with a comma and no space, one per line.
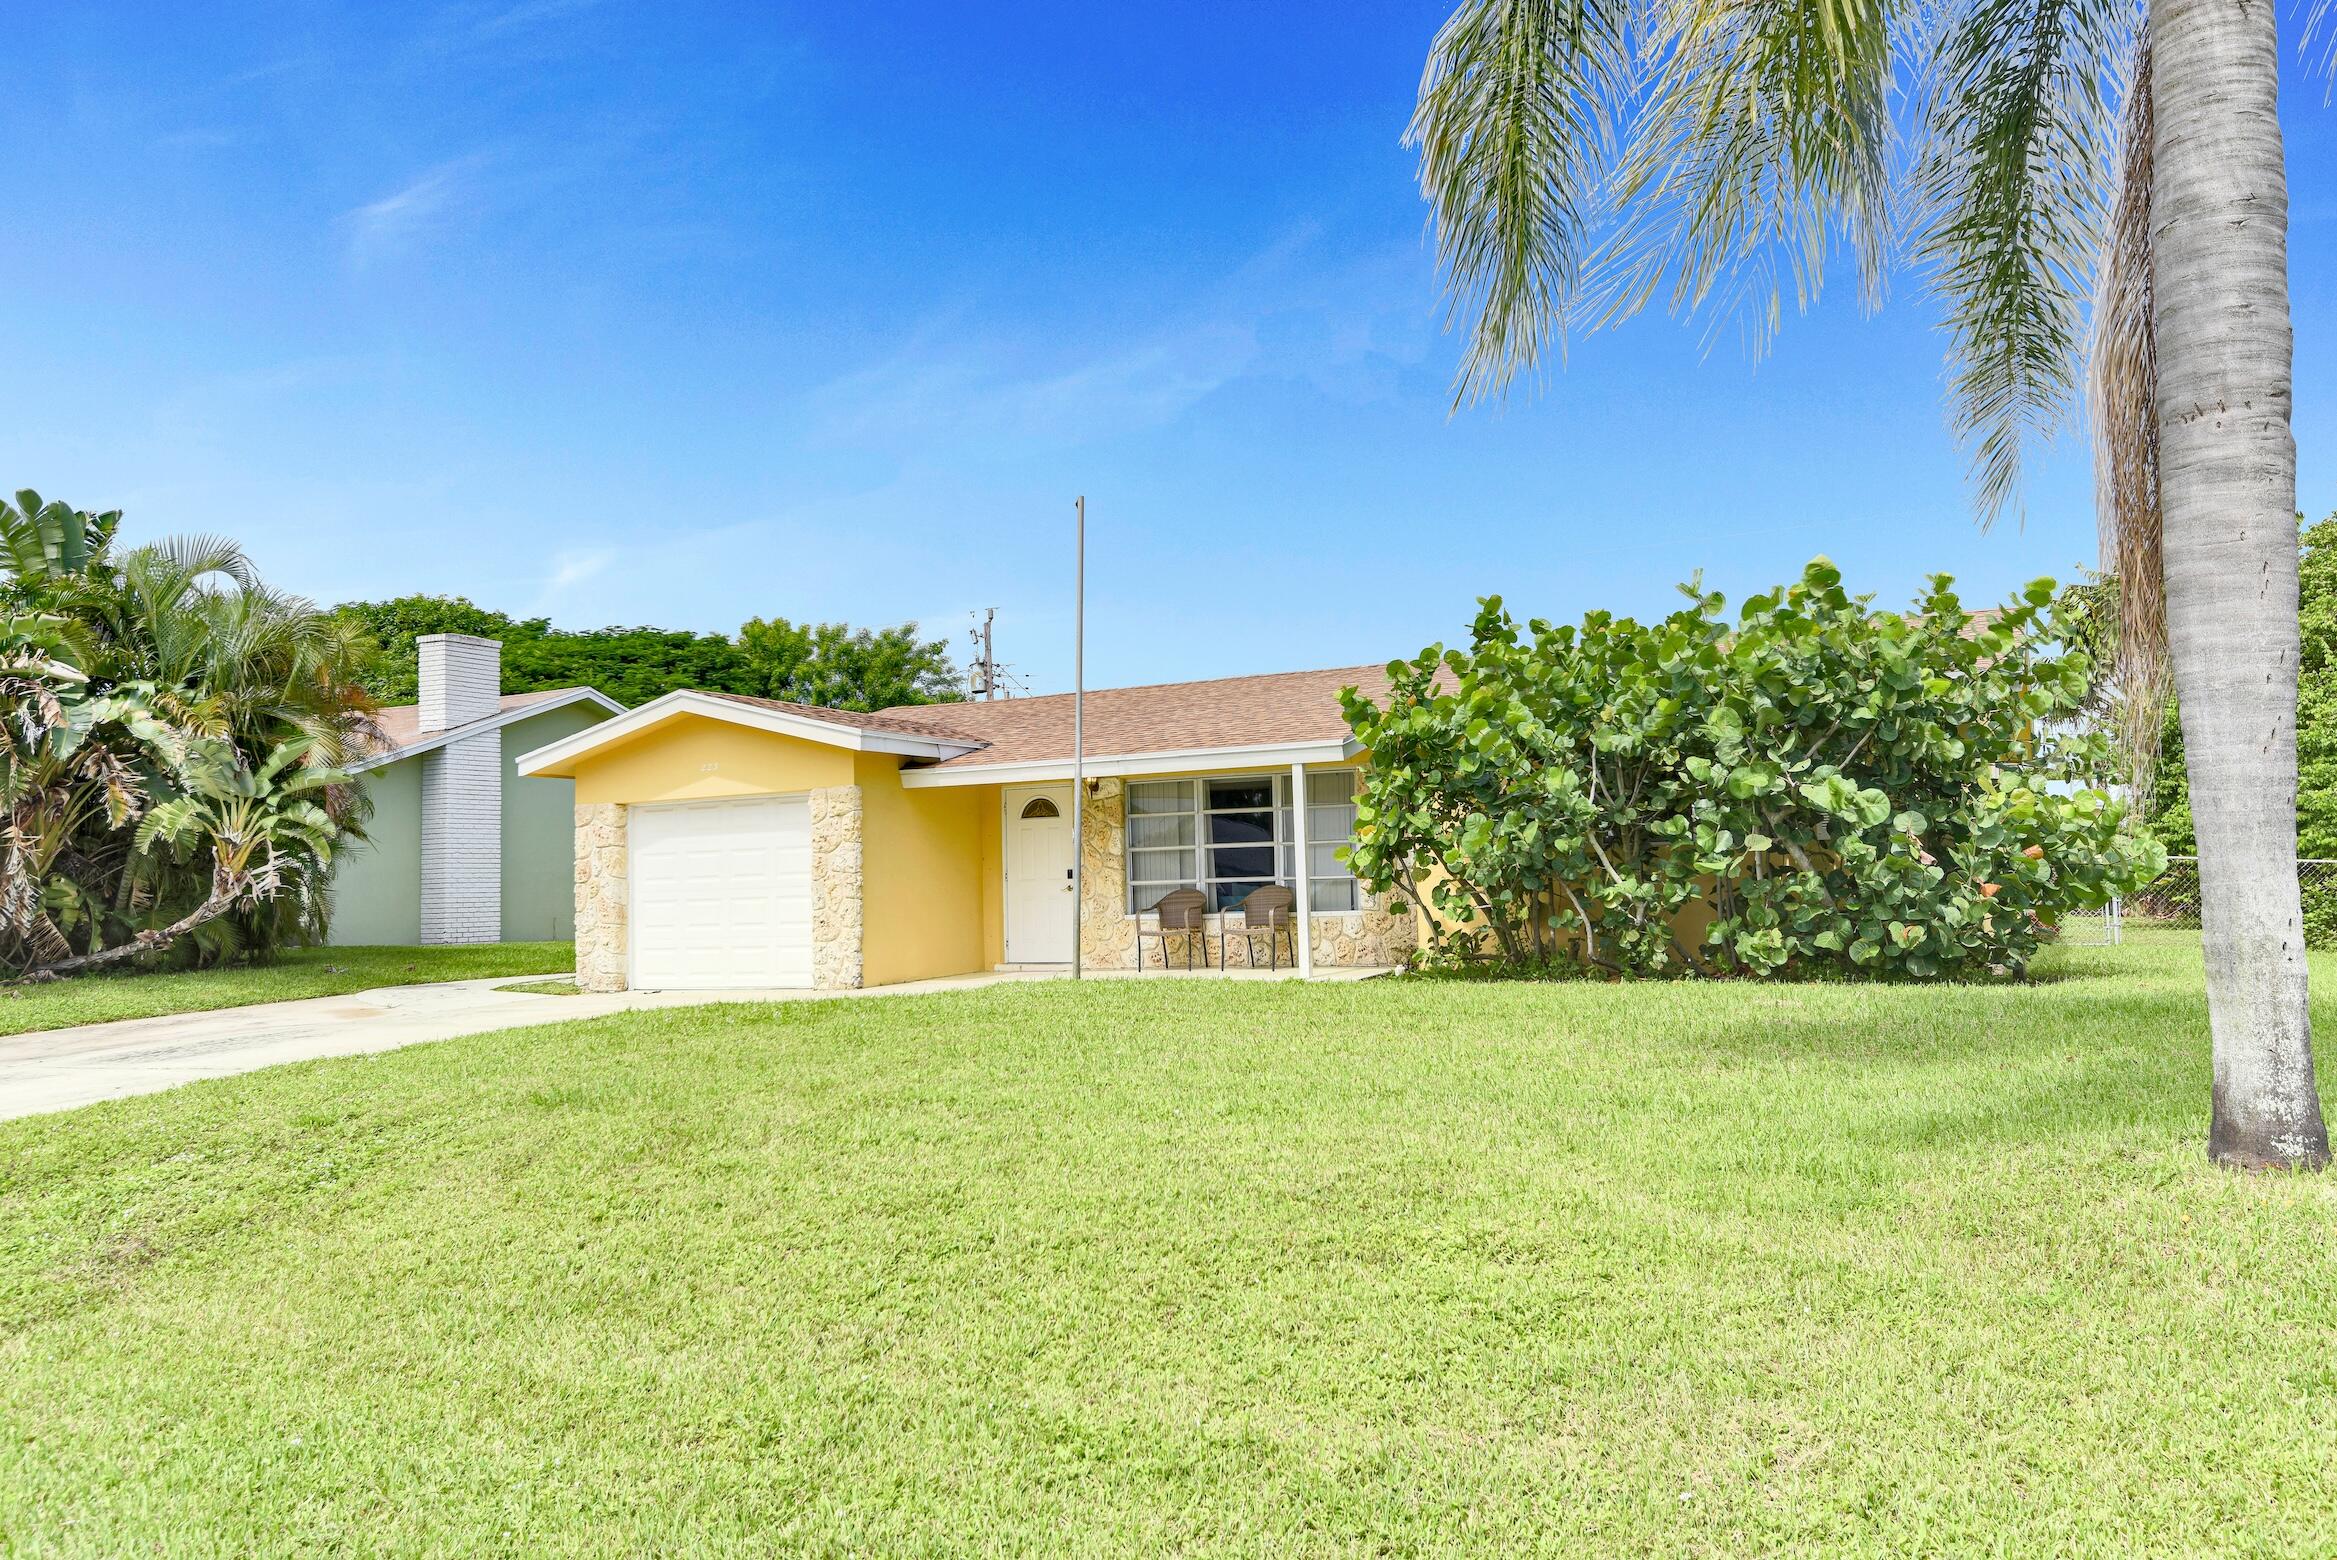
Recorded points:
1271,910
1181,912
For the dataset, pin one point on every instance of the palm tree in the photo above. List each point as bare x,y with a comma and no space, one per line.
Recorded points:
186,631
1583,157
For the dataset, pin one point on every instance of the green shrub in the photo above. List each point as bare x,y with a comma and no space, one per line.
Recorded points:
2320,905
1816,787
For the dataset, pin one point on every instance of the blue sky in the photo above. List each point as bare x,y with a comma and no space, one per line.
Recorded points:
680,314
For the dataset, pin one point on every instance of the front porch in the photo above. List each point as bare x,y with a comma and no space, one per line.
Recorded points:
1375,935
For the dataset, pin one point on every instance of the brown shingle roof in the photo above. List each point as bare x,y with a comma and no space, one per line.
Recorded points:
1227,712
400,725
909,719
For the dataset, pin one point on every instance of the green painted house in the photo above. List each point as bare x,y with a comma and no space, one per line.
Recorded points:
460,847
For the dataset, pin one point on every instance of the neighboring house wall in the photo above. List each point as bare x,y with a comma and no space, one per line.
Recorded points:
377,885
539,898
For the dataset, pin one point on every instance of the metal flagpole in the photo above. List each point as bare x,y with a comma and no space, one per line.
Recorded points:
1078,737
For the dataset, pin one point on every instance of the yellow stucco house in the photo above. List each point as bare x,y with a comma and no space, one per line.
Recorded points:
733,842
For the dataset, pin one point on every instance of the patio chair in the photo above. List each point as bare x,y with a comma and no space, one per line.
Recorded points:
1271,910
1183,912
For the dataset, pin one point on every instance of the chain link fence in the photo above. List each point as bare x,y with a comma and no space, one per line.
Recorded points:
2171,904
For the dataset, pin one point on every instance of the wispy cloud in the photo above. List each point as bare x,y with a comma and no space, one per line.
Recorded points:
1274,315
395,221
201,139
529,13
571,567
979,387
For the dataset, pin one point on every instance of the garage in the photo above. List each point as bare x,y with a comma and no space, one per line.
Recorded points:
721,894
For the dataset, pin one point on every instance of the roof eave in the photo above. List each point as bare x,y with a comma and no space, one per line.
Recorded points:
859,739
432,740
1182,761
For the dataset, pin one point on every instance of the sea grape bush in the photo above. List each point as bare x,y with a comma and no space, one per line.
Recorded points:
1816,786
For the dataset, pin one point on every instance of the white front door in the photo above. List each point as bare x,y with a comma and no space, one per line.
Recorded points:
721,894
1038,874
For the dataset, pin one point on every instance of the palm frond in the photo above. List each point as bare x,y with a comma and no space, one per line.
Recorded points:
2320,33
1760,142
1514,128
197,557
2019,108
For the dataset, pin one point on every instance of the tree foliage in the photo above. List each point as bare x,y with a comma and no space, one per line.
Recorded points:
173,731
2169,807
829,664
844,668
1816,786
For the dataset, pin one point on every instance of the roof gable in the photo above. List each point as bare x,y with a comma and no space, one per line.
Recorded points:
1275,709
400,736
1278,715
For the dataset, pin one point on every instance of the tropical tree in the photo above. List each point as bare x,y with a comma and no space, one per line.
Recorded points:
841,667
833,664
142,677
47,539
1583,157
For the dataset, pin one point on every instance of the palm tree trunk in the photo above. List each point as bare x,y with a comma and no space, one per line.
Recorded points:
2227,475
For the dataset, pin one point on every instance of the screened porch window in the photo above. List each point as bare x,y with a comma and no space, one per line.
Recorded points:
1230,834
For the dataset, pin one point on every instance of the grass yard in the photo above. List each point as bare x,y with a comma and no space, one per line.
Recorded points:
303,972
1235,1268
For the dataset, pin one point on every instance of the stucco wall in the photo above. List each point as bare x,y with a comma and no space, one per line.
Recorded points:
924,899
693,759
377,885
539,823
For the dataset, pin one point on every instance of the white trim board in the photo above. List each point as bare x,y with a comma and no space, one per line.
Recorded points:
687,701
1184,761
431,741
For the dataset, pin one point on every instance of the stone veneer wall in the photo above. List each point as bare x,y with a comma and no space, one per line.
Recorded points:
600,896
1107,934
1381,934
836,872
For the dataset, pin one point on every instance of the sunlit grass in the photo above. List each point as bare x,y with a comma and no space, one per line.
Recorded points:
1388,1267
303,972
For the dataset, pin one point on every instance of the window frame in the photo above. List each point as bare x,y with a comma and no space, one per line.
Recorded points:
1288,870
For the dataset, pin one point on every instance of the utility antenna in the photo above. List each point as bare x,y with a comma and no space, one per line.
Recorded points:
982,676
987,677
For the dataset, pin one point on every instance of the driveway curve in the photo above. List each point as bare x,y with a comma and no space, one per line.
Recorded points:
58,1069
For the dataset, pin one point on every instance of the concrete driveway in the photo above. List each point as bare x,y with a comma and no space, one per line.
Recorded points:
58,1069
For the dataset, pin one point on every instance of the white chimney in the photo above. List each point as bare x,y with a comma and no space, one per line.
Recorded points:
461,679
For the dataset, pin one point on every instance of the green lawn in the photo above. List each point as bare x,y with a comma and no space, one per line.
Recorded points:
304,972
1261,1269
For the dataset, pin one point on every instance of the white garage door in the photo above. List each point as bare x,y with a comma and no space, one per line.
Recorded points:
721,894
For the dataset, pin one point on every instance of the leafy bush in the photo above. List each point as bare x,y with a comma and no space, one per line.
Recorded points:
1816,787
